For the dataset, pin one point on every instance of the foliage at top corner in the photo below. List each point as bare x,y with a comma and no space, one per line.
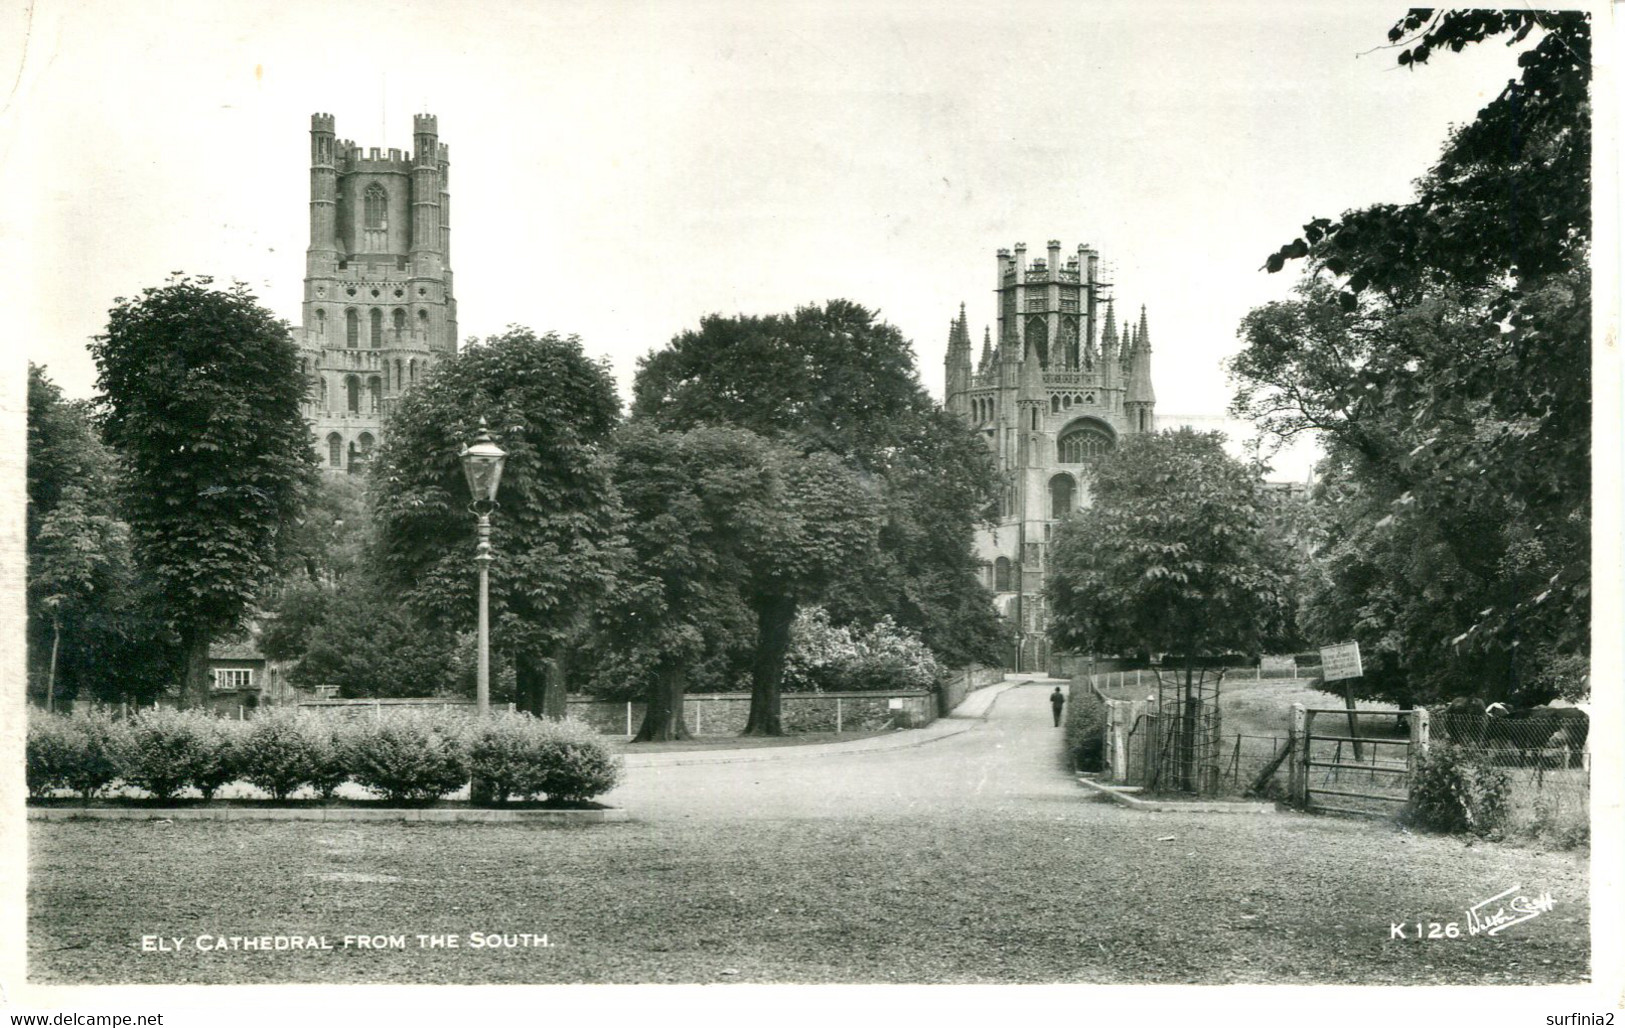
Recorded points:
1511,194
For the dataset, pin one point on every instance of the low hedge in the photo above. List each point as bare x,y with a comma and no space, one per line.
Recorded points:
406,756
1085,728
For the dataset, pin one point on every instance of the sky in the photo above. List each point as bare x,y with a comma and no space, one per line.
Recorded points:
620,170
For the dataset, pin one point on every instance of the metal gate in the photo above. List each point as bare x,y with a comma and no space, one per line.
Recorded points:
1355,762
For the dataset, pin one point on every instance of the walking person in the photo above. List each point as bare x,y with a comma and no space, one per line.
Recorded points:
1056,702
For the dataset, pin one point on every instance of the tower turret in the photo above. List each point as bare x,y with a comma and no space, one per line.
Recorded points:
986,363
956,366
323,189
1141,399
425,191
1110,371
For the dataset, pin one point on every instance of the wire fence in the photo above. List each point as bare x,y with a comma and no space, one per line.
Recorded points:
1544,758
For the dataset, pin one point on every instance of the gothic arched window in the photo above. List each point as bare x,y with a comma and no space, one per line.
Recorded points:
1063,496
365,439
321,322
399,319
1038,339
376,339
352,393
1083,442
335,450
352,328
399,385
1001,575
375,219
375,392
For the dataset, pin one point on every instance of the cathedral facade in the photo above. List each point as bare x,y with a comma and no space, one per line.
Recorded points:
378,308
1060,388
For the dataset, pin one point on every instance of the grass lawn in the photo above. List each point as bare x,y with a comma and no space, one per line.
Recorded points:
1058,893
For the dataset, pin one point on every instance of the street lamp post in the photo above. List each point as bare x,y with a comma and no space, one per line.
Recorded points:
482,466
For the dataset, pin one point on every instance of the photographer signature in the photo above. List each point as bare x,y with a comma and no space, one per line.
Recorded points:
1491,916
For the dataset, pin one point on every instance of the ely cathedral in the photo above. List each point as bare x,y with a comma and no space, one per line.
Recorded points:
1059,389
378,309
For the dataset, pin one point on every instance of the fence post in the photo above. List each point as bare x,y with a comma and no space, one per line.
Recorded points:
837,715
377,711
1298,739
628,719
1419,739
699,718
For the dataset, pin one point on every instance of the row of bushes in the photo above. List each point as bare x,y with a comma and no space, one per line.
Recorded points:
406,756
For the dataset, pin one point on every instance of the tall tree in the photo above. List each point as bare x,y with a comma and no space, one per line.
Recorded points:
691,499
201,390
1443,346
556,532
822,522
836,379
1175,556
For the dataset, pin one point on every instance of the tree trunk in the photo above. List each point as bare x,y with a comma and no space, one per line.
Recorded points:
530,684
50,678
1187,739
555,700
195,685
663,707
774,616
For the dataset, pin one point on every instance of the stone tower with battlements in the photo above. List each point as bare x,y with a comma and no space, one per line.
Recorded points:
378,309
1053,389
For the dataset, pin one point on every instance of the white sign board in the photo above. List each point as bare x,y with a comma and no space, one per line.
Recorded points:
894,703
1269,663
1340,661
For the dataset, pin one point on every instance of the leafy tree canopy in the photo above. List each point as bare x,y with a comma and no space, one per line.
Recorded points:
1173,556
1442,346
200,394
92,627
556,532
836,379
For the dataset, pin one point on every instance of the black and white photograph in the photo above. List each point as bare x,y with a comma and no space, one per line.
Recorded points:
953,510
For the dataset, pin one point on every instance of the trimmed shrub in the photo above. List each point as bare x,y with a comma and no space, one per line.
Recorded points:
95,765
165,751
576,765
1085,728
516,756
282,751
330,768
48,754
505,756
407,757
1453,792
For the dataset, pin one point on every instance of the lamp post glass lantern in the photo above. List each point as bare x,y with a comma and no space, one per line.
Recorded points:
482,466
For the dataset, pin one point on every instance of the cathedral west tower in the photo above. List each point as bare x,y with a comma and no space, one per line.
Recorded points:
378,308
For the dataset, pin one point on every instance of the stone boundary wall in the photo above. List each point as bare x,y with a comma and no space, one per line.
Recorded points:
703,713
963,681
726,713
